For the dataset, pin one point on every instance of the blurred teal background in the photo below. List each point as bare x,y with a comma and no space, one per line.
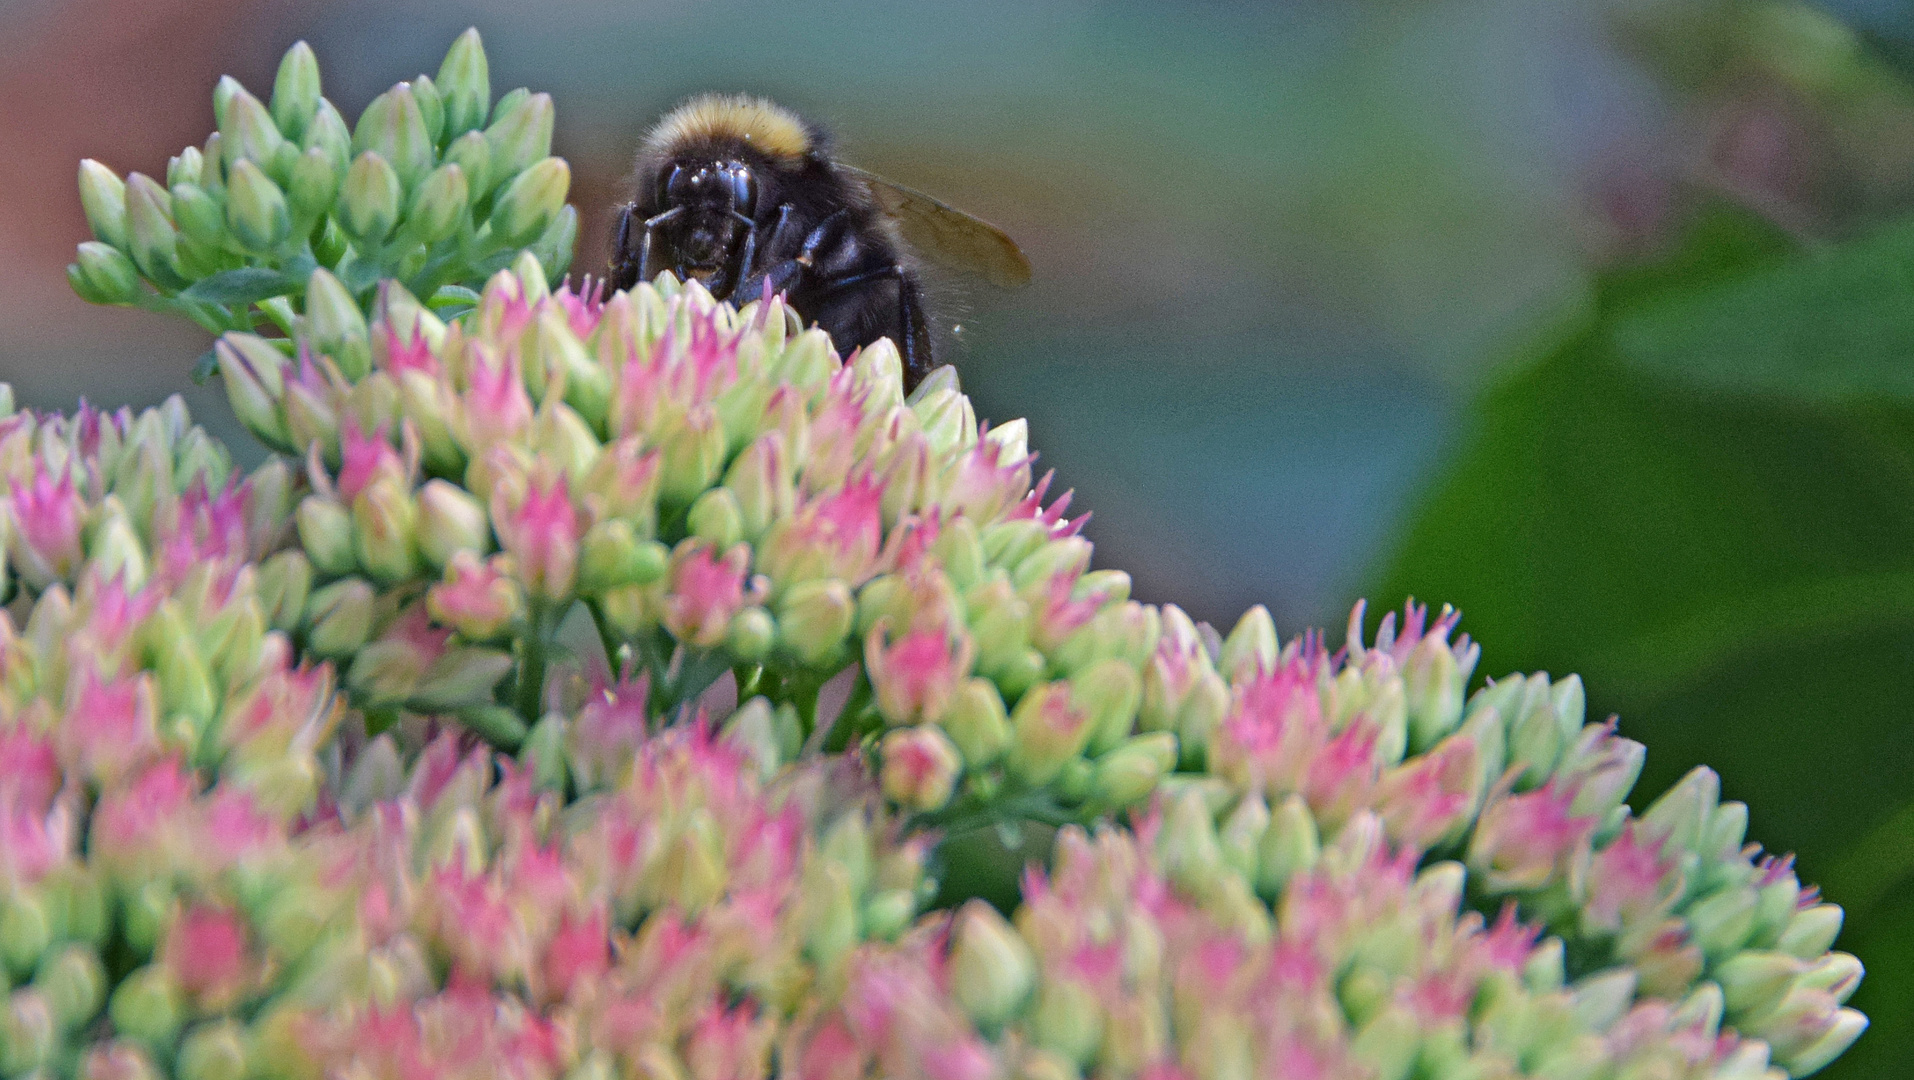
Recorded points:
1594,319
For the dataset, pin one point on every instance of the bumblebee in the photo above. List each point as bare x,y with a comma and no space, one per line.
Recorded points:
739,193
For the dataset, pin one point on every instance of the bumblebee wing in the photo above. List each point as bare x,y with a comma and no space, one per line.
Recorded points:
947,234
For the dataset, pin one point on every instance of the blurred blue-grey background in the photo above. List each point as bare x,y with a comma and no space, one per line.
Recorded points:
1591,317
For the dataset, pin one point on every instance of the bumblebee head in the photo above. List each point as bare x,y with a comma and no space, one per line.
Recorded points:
707,159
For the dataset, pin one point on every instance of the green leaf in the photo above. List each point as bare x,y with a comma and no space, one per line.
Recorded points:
242,285
1834,325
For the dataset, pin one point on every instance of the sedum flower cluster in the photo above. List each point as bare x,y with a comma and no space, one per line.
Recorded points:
584,687
435,184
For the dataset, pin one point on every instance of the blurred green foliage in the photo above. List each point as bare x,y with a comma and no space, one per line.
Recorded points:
1699,493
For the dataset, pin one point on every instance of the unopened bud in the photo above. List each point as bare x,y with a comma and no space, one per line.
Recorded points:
977,722
256,209
337,325
214,1051
717,518
1811,931
312,187
295,90
393,127
439,204
464,84
109,276
246,128
520,134
199,215
1290,846
1049,732
25,931
369,202
28,1034
151,236
325,531
473,156
1130,772
991,969
147,1006
450,521
814,618
341,617
530,202
920,767
73,983
751,634
103,197
1251,646
1108,692
385,529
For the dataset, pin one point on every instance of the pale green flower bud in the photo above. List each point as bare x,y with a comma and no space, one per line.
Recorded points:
693,453
327,133
246,130
311,188
991,969
337,325
1251,646
439,204
369,202
73,984
28,1034
520,134
1811,931
1847,1027
283,583
116,550
1721,924
108,276
340,617
256,209
1049,732
103,197
1241,837
464,84
1069,555
530,202
393,127
451,520
751,632
201,216
26,930
185,682
1068,1020
295,90
148,1006
185,168
1681,813
1108,692
717,517
473,155
385,529
213,1051
977,722
1754,982
325,531
431,106
1290,846
1129,773
611,556
814,619
554,246
1188,847
151,236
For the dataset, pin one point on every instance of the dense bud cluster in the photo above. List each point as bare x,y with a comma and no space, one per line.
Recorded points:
435,185
585,687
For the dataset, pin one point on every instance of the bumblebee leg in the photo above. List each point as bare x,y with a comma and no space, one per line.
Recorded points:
912,332
774,249
787,274
623,273
644,246
750,252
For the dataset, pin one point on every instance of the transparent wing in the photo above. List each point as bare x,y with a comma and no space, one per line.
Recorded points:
948,235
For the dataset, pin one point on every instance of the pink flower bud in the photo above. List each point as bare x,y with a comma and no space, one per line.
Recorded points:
1524,842
47,518
541,534
478,598
110,727
920,767
578,953
364,458
835,535
206,953
494,407
583,308
705,591
916,676
1428,798
1273,731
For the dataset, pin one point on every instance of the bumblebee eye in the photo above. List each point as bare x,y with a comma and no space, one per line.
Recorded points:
671,185
744,189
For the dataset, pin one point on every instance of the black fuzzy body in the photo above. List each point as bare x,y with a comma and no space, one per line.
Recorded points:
811,232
